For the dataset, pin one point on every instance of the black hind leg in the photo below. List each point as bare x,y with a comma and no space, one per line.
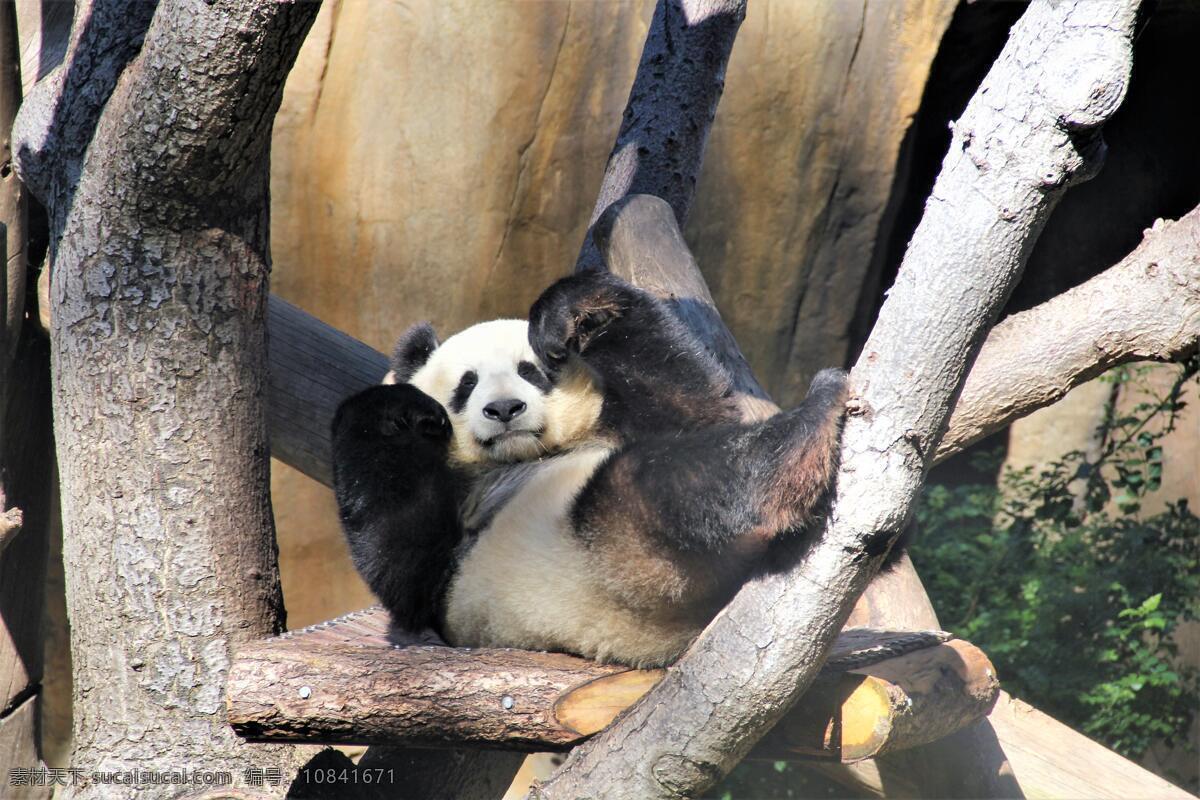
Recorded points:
682,517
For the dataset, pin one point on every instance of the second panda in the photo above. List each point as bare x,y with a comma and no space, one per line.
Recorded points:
580,483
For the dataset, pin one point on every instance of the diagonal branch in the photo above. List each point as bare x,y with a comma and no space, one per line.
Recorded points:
1146,307
1030,131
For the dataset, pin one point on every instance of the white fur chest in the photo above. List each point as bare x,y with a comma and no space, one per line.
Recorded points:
528,582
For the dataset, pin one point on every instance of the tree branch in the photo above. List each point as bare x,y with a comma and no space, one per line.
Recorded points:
671,107
1146,307
61,110
1029,131
313,368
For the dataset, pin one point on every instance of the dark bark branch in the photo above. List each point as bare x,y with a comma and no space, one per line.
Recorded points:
672,104
1029,131
59,115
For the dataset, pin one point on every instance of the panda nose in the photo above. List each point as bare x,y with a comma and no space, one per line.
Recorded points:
504,410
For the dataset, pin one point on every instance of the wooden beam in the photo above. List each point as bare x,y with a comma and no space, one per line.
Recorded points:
313,368
19,749
345,682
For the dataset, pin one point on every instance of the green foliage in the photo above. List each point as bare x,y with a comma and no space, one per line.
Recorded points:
1069,588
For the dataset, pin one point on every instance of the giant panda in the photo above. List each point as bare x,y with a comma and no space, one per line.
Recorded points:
578,482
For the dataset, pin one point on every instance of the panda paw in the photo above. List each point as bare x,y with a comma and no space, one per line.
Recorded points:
385,412
830,387
573,312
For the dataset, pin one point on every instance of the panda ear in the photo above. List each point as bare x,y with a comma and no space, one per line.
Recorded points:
412,350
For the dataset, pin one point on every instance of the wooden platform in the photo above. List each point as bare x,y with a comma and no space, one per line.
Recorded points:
352,681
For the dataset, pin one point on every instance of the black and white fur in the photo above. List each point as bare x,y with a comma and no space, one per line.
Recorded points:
579,483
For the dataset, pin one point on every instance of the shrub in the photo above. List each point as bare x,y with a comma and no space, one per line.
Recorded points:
1072,591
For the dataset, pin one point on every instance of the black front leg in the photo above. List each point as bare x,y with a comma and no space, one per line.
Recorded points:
398,497
655,375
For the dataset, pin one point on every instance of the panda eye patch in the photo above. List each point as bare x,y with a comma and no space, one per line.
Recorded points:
529,372
466,384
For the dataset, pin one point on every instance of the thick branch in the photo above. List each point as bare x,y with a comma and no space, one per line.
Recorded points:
220,116
1029,131
342,683
313,368
672,104
60,112
1147,307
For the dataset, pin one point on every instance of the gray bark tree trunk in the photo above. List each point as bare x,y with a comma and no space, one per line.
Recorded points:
1030,130
149,147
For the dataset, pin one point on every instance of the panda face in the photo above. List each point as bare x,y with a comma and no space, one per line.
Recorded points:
501,404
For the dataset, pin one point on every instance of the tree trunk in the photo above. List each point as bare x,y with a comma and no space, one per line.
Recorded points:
157,198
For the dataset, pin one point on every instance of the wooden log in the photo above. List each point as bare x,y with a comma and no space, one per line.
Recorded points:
424,696
313,368
345,683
